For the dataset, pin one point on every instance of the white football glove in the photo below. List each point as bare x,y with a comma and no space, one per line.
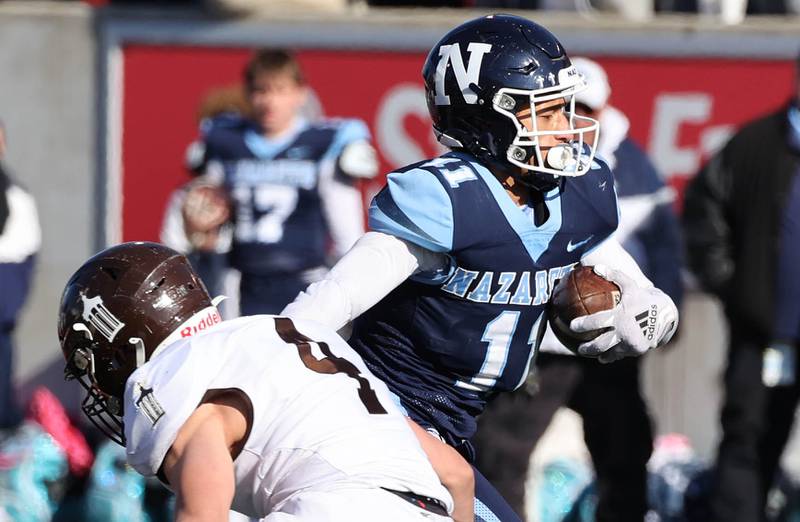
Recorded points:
644,319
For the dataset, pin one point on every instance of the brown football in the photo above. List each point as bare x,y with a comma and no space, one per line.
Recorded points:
205,208
582,292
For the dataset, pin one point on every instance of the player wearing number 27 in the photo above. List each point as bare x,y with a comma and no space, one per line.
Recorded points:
447,293
268,416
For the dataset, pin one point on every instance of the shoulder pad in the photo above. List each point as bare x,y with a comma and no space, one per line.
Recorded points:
415,206
159,397
346,131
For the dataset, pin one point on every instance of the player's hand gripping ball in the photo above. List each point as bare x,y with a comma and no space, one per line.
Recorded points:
205,208
582,292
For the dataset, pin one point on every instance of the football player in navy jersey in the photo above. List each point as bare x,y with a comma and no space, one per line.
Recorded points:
447,293
292,183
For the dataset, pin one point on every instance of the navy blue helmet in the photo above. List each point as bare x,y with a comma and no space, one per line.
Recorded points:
486,70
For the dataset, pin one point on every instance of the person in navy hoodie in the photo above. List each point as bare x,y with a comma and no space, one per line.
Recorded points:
741,219
20,238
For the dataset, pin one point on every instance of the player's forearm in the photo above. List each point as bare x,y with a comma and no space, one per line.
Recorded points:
375,265
199,502
454,473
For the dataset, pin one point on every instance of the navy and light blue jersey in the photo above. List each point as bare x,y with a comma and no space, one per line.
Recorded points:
279,226
443,342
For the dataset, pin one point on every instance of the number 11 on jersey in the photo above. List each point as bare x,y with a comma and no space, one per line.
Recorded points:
499,333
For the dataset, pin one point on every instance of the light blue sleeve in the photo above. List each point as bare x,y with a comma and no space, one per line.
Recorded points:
348,131
414,206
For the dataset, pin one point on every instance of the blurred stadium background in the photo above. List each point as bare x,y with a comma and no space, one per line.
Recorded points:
100,102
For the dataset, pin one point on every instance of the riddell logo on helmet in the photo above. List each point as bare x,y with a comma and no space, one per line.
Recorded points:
204,322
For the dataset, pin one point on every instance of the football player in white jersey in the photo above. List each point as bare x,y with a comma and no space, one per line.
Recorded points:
264,415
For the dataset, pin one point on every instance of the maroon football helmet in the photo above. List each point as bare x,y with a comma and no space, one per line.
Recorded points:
115,311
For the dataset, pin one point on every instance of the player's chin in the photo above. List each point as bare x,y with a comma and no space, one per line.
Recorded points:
263,115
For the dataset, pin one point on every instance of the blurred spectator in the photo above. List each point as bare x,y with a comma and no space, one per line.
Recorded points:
638,10
292,184
761,7
224,100
677,6
767,7
742,226
508,4
427,3
20,239
244,8
617,427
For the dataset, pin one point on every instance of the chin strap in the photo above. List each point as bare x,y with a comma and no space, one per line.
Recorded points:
539,182
141,355
490,158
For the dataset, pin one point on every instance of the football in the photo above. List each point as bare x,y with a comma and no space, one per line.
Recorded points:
205,208
582,292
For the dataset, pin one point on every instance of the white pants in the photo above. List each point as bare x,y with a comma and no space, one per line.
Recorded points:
351,505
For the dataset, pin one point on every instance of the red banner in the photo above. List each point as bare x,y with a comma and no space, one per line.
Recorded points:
680,109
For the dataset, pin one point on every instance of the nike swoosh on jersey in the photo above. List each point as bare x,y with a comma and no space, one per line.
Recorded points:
571,246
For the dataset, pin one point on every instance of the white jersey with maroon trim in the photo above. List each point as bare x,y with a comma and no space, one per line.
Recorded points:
320,420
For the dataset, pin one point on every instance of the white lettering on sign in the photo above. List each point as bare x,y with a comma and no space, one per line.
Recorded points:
670,112
398,147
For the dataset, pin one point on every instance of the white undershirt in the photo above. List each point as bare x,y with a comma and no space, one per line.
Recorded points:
375,265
